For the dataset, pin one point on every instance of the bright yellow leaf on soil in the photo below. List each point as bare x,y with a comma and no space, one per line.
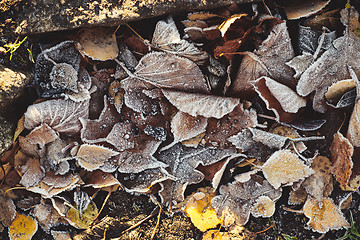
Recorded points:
22,228
200,211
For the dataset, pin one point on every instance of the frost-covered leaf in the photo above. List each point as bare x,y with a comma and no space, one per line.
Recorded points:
91,157
23,227
61,115
82,219
269,60
200,104
182,163
263,207
167,38
170,71
319,184
121,136
185,126
332,66
285,167
219,130
324,216
30,169
95,131
142,182
55,58
46,216
7,209
301,63
279,98
239,198
302,9
100,179
52,184
341,152
98,43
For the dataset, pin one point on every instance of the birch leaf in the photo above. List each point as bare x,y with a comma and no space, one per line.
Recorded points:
332,66
200,104
61,115
23,227
91,157
185,126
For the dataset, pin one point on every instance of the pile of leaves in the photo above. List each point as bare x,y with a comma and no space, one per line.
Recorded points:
232,103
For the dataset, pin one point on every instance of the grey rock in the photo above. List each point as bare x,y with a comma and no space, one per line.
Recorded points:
7,129
38,16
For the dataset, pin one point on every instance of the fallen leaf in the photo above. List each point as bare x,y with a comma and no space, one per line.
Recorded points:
279,98
302,9
84,219
200,104
167,38
185,126
182,163
7,210
269,60
116,95
100,179
60,235
91,157
46,216
61,115
65,54
285,167
324,218
238,199
198,208
263,207
98,43
333,64
64,76
23,227
319,184
341,152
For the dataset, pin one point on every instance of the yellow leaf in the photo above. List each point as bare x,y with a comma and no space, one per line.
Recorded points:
84,221
19,128
200,211
22,228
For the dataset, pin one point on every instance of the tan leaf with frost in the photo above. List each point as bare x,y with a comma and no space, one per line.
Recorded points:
99,43
285,167
7,209
61,115
200,104
341,152
91,157
324,218
304,8
264,207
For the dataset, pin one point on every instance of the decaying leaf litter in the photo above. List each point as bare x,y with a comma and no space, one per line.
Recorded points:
226,116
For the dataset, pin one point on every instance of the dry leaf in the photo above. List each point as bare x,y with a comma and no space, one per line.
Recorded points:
269,60
305,8
198,208
91,157
116,95
332,66
167,38
182,163
280,99
61,115
238,199
263,207
341,152
7,209
23,227
84,219
319,184
324,218
60,235
219,130
100,179
46,216
185,126
200,104
98,43
55,58
336,92
285,167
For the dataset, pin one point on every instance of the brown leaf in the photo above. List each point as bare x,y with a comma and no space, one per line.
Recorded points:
332,66
61,115
29,168
7,209
341,152
302,9
324,218
46,216
200,104
280,99
268,60
185,126
100,179
167,38
91,157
